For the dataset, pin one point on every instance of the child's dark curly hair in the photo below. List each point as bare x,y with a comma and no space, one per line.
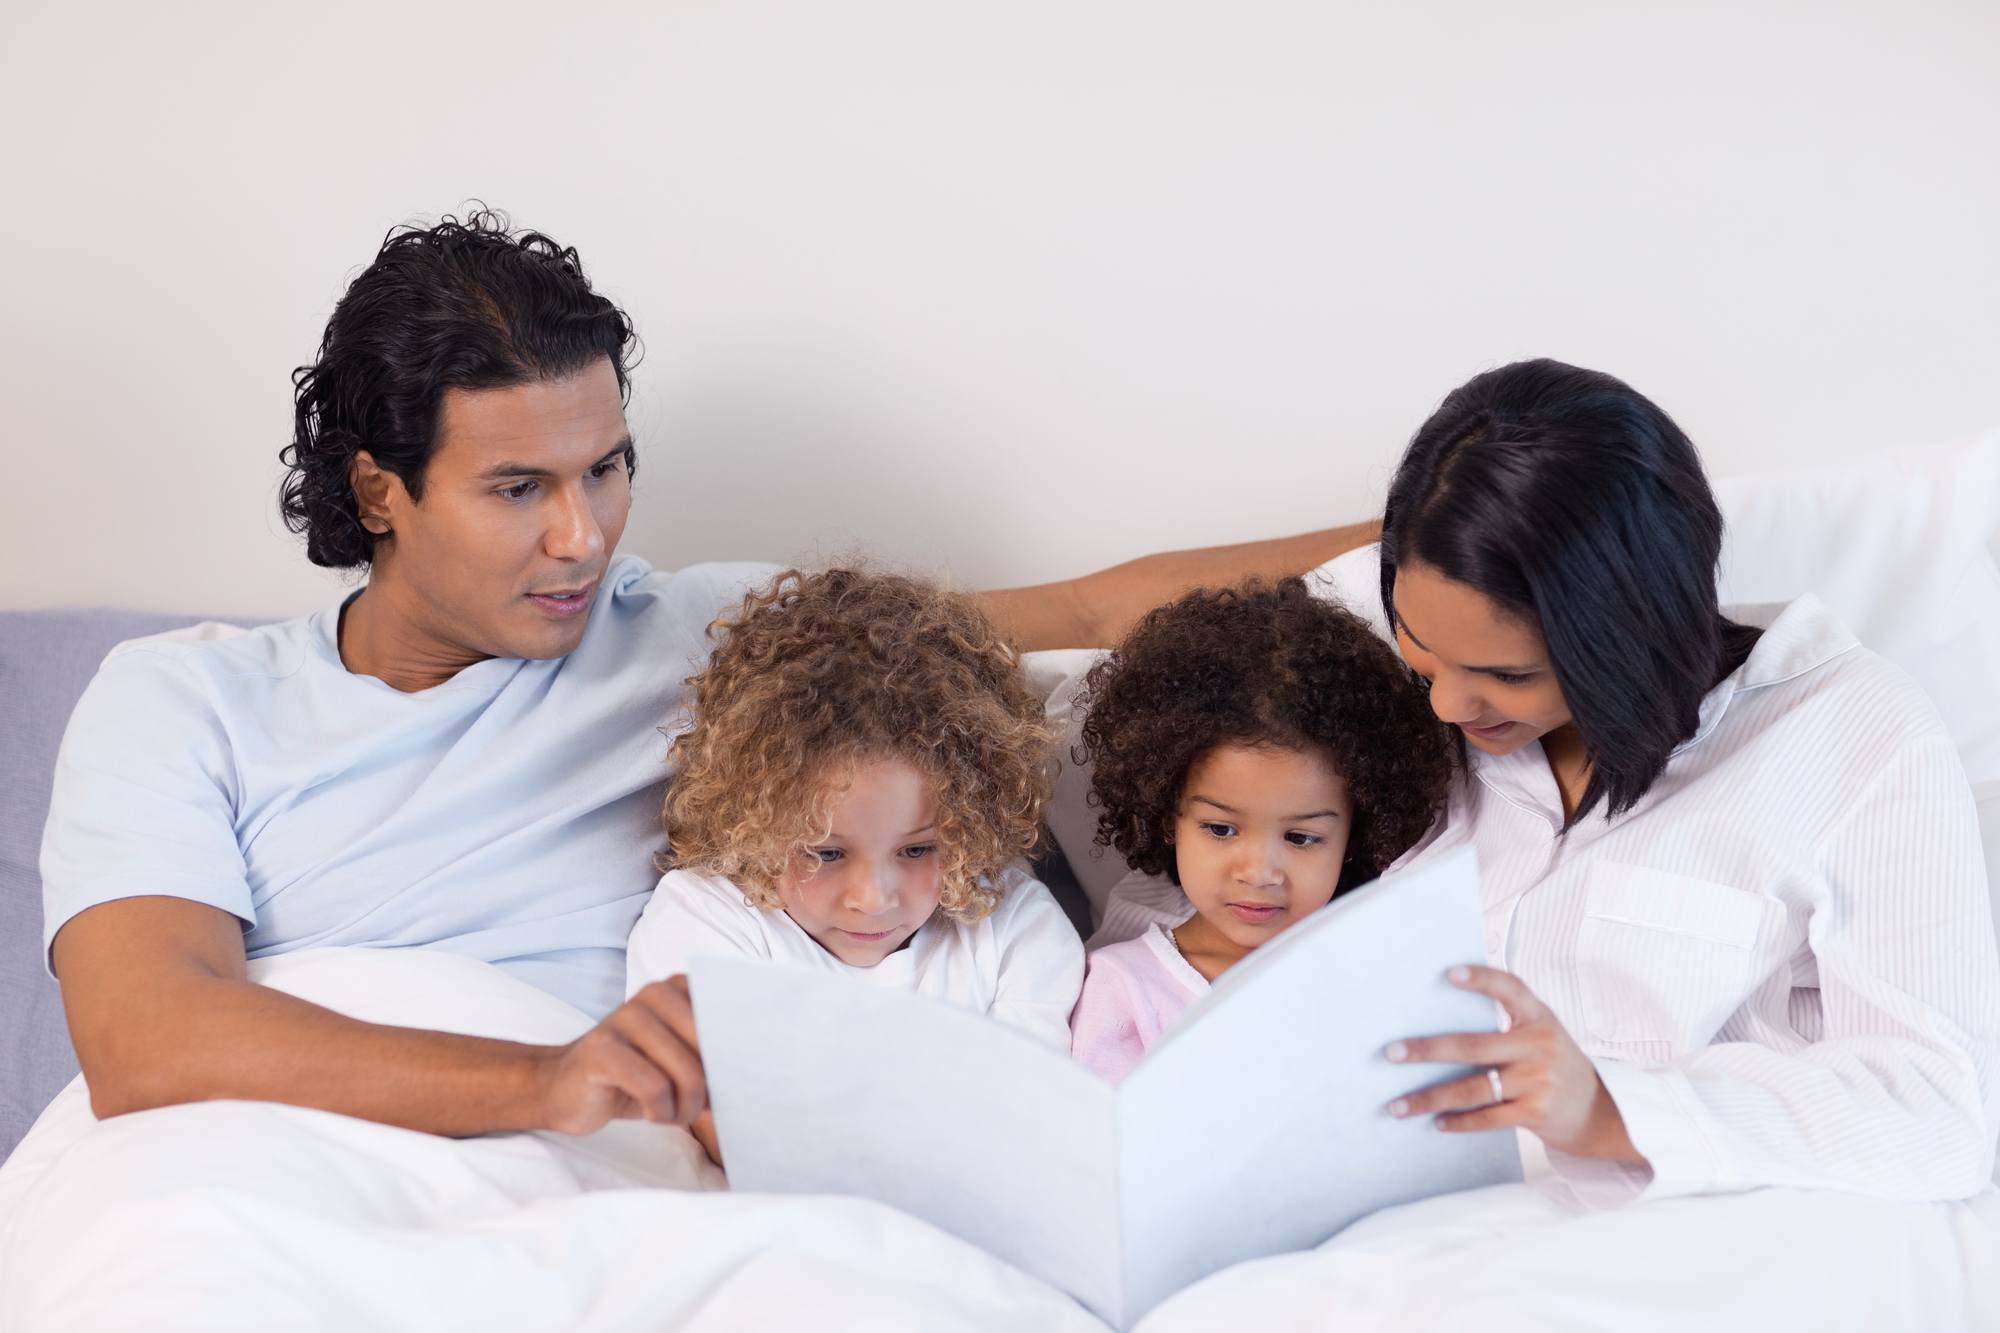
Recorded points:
820,671
1260,664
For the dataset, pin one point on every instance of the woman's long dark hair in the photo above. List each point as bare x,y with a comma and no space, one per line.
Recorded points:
1568,497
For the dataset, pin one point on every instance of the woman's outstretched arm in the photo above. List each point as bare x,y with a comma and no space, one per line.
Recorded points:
1095,610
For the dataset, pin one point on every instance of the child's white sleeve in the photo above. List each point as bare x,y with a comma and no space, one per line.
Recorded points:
1041,962
689,914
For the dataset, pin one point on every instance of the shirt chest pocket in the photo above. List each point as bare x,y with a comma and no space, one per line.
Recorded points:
1663,960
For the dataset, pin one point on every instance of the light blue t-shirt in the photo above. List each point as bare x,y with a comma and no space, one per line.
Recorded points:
509,814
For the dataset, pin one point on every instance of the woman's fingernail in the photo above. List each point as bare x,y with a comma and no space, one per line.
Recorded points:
1396,1050
1399,1107
1460,974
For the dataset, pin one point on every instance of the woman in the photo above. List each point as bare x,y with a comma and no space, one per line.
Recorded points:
1734,897
1732,881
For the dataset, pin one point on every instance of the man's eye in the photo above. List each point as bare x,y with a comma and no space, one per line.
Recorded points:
603,468
1215,830
518,491
920,851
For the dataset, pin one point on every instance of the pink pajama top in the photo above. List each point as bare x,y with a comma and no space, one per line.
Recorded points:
1132,992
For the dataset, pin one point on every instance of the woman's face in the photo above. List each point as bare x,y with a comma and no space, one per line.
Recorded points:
1487,666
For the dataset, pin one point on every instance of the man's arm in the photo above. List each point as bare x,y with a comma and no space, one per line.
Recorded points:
1094,611
161,1012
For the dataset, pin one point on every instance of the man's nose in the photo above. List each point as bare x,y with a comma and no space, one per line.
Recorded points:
573,531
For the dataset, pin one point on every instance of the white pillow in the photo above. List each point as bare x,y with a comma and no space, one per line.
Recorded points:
1901,550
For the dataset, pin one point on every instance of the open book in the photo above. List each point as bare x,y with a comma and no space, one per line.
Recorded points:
1253,1128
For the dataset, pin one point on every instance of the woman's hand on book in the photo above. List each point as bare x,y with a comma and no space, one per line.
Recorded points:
641,1063
1535,1077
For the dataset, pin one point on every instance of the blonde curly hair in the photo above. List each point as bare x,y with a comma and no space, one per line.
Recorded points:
823,671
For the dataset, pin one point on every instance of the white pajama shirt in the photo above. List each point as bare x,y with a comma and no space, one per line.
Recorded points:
1782,959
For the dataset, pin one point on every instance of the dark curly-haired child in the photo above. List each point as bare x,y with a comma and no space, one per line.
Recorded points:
1264,750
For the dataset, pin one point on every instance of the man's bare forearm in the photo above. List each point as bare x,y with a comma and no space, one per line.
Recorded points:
1096,610
239,1040
161,1014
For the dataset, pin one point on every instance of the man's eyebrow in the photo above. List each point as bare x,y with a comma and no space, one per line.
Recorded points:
1411,635
499,470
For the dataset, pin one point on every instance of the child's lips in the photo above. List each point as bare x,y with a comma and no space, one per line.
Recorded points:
1256,913
868,936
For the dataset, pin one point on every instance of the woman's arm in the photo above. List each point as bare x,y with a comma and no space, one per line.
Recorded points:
1898,1096
1095,610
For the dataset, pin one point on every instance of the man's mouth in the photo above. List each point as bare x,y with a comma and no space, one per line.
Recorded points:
564,602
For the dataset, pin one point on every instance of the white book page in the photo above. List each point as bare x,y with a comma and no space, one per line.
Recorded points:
1257,1125
824,1085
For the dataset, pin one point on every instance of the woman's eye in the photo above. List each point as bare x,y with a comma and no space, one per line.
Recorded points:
518,491
920,851
1510,678
1219,830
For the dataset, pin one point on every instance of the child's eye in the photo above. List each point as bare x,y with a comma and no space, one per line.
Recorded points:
1304,839
1215,830
920,851
826,856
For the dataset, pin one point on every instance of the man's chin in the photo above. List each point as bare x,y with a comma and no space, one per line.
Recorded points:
544,642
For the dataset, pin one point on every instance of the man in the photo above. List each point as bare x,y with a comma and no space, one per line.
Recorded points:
465,755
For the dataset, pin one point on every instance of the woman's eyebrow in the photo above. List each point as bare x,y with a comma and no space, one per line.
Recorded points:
1410,634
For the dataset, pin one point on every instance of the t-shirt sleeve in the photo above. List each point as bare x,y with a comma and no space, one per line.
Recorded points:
1041,963
145,796
687,916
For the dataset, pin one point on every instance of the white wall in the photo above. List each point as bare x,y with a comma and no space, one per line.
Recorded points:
1018,288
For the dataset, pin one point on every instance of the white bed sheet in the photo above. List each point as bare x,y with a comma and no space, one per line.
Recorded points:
240,1215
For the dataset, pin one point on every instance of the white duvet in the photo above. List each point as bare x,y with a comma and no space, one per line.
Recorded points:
242,1215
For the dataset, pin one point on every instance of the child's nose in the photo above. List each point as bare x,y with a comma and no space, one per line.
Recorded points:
1259,865
871,894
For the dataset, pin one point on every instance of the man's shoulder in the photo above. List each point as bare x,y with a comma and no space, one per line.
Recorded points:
635,583
677,604
204,660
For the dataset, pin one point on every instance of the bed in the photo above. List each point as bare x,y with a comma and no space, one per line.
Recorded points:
231,1215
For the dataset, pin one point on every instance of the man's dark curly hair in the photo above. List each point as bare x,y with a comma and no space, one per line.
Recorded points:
465,304
1260,664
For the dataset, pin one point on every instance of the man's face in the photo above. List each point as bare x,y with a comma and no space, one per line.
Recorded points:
524,501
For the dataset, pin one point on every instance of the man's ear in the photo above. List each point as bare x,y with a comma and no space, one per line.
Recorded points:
373,488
